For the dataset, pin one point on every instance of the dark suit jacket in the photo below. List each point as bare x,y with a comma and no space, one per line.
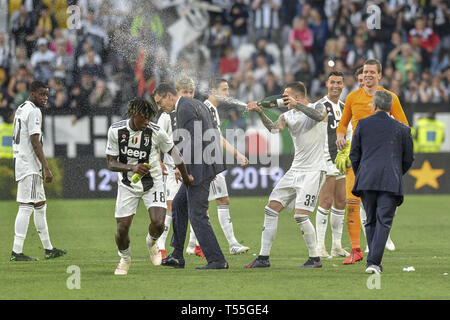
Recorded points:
381,153
201,149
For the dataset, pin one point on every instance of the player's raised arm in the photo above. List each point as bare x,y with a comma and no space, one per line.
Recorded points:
274,127
318,113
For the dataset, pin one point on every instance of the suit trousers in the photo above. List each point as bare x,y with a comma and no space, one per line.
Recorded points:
380,208
193,204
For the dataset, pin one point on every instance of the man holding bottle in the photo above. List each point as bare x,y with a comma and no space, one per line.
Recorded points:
300,186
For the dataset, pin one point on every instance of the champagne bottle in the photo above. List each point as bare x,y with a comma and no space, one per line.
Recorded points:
136,177
272,102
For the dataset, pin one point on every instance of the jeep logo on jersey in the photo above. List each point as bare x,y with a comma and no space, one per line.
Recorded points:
134,153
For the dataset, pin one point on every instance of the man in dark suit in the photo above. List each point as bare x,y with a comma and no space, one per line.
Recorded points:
381,153
202,151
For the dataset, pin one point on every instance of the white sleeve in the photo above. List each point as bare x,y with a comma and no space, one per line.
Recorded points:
34,122
165,123
112,146
162,140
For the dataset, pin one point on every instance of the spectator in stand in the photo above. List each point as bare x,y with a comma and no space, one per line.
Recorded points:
101,97
296,56
350,85
342,24
260,72
261,49
300,31
21,93
47,21
236,122
80,97
412,94
434,93
440,61
92,32
63,63
428,39
319,28
271,85
396,87
359,53
41,61
229,63
438,14
403,58
22,74
4,52
95,70
19,59
355,14
31,40
20,25
83,58
218,39
239,20
5,100
57,97
58,38
266,18
446,82
250,90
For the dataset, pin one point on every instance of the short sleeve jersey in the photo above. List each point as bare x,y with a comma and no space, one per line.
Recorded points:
27,122
133,147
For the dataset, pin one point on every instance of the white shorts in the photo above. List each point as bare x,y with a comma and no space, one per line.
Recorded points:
333,171
298,189
171,184
31,189
128,201
218,188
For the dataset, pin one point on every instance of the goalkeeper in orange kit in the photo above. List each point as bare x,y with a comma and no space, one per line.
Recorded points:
358,106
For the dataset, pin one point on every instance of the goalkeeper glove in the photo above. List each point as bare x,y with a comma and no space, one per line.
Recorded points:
342,160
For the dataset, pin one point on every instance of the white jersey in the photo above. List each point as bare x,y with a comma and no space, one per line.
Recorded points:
214,114
309,138
27,122
133,147
167,123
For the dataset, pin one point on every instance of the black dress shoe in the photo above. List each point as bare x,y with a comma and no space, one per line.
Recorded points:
171,261
215,265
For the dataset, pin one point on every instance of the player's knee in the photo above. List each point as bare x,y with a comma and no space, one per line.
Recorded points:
326,202
123,228
225,201
275,206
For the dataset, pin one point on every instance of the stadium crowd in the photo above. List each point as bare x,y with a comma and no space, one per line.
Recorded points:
121,49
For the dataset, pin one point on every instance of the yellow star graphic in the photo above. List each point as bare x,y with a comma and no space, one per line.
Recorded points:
426,176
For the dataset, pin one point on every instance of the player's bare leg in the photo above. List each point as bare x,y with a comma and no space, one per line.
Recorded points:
309,235
155,229
123,244
223,213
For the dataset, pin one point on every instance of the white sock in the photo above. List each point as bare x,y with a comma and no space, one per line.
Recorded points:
269,231
125,254
192,238
40,222
21,226
308,232
337,224
150,240
161,242
321,225
223,212
363,215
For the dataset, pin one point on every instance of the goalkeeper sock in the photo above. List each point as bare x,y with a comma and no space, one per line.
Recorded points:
161,242
321,225
21,226
363,216
308,233
269,231
337,224
40,222
353,222
192,238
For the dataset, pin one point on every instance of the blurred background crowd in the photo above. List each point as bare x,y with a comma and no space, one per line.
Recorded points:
119,49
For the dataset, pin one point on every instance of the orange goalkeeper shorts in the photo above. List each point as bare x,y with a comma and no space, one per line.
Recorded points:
349,183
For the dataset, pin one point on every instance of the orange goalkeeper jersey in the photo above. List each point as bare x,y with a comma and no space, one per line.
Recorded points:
358,106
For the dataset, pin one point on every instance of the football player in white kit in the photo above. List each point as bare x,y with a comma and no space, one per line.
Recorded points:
131,144
299,187
333,193
31,171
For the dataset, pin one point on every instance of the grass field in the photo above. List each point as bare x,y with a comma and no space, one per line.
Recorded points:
86,229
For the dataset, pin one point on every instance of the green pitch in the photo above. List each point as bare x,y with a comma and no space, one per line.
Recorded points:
86,229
